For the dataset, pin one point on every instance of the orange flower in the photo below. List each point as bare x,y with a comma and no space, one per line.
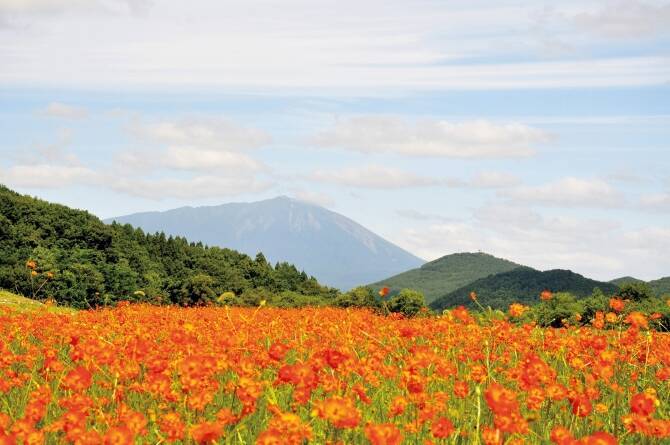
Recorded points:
600,438
491,436
500,399
643,404
617,304
637,319
473,296
339,411
611,317
581,405
442,428
383,434
79,379
119,435
384,291
546,295
560,435
461,389
517,310
398,405
285,429
172,426
206,432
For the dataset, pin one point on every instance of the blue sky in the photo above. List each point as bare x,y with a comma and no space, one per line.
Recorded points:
536,131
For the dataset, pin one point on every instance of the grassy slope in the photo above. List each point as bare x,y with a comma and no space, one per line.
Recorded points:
24,304
447,274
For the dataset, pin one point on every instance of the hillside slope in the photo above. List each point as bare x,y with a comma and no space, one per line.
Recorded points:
336,250
623,280
661,287
82,262
446,274
522,285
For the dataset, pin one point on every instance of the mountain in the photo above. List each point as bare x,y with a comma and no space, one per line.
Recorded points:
522,285
661,287
446,274
78,260
623,280
336,250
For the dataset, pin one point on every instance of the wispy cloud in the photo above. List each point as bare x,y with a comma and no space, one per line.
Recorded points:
196,187
626,19
373,176
362,48
49,176
199,145
568,192
599,248
439,138
61,110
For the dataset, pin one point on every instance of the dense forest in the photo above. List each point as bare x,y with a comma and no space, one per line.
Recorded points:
50,250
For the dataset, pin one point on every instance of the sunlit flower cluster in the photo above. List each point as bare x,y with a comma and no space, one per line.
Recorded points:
144,374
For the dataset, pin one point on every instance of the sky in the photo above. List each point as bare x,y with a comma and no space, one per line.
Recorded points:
537,131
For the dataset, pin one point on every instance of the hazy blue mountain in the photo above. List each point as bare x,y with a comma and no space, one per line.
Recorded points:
334,249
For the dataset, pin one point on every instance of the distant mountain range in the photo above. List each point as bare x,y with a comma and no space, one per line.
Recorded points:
336,250
439,277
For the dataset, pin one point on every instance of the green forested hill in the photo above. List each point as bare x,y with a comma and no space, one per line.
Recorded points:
661,287
446,274
521,285
623,280
85,263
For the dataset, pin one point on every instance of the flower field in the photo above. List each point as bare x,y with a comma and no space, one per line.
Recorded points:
144,374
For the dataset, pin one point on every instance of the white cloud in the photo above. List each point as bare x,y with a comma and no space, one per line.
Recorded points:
369,47
568,192
626,19
597,248
198,187
421,216
373,176
50,7
656,202
494,180
61,110
48,176
219,134
188,158
321,199
199,145
382,177
470,139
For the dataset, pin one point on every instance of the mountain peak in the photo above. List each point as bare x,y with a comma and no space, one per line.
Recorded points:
336,250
